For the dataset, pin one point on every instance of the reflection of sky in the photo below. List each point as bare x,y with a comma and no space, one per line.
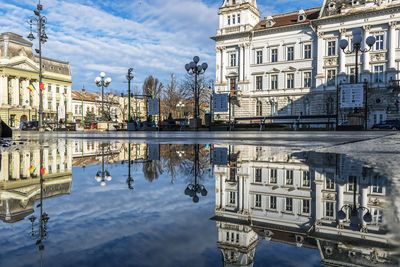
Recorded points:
154,225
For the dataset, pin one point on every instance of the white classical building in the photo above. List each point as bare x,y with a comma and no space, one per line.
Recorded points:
291,64
267,193
19,68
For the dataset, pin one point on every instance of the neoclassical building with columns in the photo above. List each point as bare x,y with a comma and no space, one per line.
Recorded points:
291,64
19,67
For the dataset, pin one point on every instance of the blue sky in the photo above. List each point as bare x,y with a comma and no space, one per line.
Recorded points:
153,36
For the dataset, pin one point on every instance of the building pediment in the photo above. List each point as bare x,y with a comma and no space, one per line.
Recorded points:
23,63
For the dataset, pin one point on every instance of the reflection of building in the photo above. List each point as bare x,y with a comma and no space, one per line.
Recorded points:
263,193
85,102
87,152
18,69
288,64
20,177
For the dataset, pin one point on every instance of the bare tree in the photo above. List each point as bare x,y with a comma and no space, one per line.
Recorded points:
152,86
171,97
187,88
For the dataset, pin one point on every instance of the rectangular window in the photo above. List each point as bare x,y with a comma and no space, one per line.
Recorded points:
259,83
350,185
290,80
290,53
274,82
273,176
307,51
272,203
238,18
258,175
274,55
233,19
331,77
377,184
378,74
259,57
229,20
329,209
57,89
331,48
232,197
259,108
233,59
289,204
352,75
289,177
379,43
258,201
307,79
306,206
330,183
306,179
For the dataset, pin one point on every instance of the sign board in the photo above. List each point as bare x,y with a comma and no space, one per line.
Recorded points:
154,152
61,112
220,102
352,95
219,156
153,107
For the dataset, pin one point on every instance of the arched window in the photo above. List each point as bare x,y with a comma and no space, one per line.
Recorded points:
274,108
329,106
259,108
289,107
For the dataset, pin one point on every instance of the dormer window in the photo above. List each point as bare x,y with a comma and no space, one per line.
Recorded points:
269,21
302,16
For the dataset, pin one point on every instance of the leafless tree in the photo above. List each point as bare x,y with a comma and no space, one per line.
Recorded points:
152,86
171,97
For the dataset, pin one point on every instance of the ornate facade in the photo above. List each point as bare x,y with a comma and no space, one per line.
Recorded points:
18,70
291,64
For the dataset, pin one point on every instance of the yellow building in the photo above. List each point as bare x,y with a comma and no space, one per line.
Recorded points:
19,68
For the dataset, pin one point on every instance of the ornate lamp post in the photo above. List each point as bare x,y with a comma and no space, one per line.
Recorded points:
40,22
354,210
195,69
180,105
358,48
102,81
129,77
103,175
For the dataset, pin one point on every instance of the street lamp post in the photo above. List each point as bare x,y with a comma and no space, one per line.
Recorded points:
180,105
82,95
195,69
102,81
357,47
40,22
129,77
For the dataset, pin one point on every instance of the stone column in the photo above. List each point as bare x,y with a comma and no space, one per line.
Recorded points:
15,165
319,205
320,78
25,93
45,98
3,90
364,202
340,200
218,65
25,163
224,64
15,91
392,46
35,93
366,57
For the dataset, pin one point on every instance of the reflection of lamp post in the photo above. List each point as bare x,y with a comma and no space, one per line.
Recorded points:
193,189
130,180
103,176
82,95
193,69
102,81
41,234
39,21
354,210
357,44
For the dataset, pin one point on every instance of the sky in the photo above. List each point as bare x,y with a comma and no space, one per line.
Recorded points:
155,37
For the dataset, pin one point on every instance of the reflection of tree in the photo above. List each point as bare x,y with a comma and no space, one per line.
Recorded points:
152,170
188,165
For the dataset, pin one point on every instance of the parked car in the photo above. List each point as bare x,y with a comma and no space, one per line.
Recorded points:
29,125
388,125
